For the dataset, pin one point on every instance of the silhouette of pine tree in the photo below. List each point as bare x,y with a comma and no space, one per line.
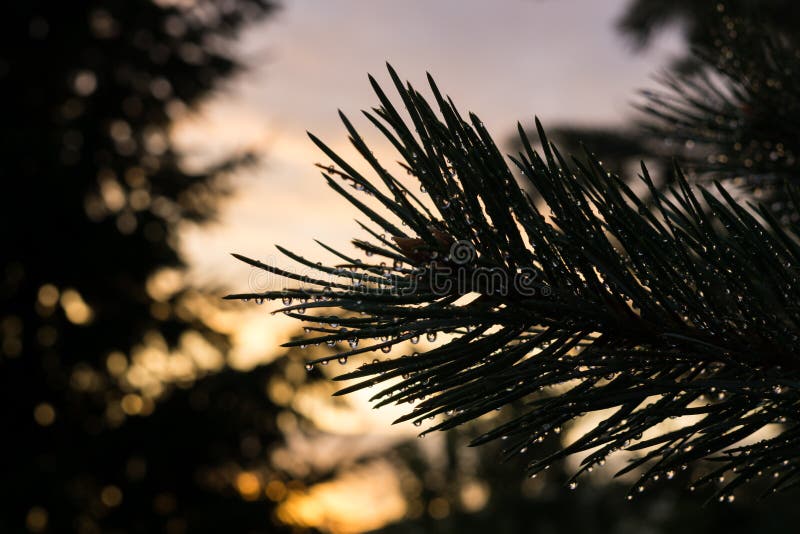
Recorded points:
94,194
700,21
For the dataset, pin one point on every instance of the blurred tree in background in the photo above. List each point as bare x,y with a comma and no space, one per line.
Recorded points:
96,323
701,21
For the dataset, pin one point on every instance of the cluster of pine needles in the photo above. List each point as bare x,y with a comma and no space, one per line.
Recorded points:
670,316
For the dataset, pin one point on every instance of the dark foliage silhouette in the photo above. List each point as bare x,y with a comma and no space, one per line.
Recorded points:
94,193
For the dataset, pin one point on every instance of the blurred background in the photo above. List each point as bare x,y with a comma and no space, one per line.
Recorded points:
144,141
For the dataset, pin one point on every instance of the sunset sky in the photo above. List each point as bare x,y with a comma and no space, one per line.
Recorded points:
507,61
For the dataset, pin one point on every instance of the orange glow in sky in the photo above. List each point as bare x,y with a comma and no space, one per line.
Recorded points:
361,500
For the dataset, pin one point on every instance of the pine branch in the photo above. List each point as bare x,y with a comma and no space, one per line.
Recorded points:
739,113
641,310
